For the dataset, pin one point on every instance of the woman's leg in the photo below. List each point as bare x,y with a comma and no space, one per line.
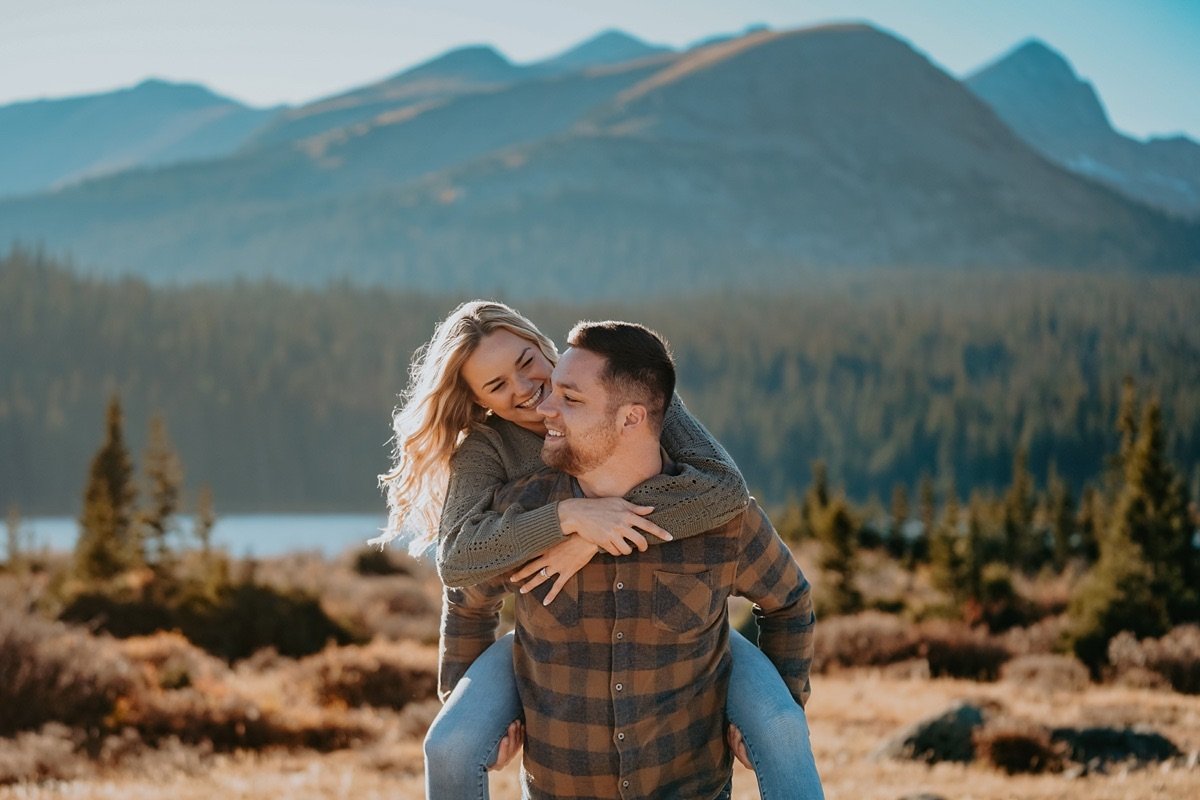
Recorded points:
462,741
773,726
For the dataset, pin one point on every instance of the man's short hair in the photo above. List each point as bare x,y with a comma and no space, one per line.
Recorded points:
639,367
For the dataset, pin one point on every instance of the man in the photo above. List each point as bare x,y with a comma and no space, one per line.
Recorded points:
623,676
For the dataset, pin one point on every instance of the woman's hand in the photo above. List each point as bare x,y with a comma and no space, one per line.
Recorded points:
560,562
610,523
510,745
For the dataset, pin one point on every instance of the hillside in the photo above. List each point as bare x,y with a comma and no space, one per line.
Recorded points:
734,163
52,143
1036,92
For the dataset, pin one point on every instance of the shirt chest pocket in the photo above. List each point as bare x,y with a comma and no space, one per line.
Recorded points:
685,602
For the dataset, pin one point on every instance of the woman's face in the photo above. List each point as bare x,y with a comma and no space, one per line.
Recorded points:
509,375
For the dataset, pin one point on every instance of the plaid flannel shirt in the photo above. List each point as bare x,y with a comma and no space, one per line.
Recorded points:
623,677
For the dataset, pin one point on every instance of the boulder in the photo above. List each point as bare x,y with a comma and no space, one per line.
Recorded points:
945,737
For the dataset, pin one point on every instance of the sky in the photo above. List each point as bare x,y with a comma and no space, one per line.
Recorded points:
1143,56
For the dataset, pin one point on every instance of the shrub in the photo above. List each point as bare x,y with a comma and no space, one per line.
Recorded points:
53,753
1050,673
1175,657
867,639
956,651
382,674
170,661
52,673
371,561
1018,747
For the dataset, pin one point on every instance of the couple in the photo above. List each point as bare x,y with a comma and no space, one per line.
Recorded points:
622,664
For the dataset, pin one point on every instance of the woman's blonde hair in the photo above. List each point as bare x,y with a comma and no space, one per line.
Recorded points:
435,413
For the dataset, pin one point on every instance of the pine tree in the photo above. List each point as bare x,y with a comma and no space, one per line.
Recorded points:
945,551
1019,549
12,525
1089,523
838,534
106,545
816,500
896,543
1060,512
927,511
1153,510
163,475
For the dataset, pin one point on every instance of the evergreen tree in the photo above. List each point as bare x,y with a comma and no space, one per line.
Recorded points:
1153,511
947,564
896,543
163,475
838,533
927,511
1019,547
12,525
816,500
1089,523
1061,516
106,545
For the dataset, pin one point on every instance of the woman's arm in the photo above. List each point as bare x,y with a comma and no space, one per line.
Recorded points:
708,490
474,542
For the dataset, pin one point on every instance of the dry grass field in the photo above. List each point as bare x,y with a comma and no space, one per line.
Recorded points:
851,713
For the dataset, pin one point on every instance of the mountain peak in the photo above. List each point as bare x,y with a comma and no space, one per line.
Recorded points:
610,46
473,61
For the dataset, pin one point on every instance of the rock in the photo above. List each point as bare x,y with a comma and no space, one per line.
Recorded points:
945,737
1099,747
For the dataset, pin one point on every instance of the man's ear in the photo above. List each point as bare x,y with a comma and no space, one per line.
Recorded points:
634,415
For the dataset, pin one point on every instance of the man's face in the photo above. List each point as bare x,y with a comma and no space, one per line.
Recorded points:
582,431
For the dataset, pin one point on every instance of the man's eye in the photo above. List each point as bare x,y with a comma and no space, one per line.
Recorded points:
570,399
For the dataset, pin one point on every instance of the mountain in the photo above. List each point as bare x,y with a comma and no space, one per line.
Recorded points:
473,70
51,143
737,163
608,47
465,70
1037,93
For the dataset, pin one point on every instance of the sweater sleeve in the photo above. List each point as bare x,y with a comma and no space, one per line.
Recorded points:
475,543
707,490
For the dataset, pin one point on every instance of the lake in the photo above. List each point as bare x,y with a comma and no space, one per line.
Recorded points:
258,535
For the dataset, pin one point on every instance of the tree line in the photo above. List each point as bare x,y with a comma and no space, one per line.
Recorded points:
279,397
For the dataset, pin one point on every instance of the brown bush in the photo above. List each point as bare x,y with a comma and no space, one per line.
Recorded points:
1047,672
1175,657
957,651
382,674
1044,637
862,640
1018,747
169,661
53,753
52,673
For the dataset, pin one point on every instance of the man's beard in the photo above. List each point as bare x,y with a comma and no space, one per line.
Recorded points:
593,449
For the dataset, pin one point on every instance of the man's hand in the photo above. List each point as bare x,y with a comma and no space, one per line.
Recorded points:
738,745
611,523
559,563
510,745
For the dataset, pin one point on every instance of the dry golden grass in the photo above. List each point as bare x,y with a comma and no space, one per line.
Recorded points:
850,713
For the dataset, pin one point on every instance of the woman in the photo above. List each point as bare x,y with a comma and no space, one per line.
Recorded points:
468,424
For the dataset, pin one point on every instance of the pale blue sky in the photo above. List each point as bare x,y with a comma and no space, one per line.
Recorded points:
1142,56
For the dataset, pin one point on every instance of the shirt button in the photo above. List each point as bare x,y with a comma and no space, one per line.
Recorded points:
620,635
620,585
624,784
620,687
621,737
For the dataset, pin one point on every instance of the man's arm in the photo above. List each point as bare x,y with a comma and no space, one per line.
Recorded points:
769,576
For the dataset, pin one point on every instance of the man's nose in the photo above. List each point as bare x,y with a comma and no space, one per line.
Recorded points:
547,408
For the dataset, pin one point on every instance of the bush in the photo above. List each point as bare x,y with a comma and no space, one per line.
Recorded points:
956,651
169,661
372,561
51,754
382,674
863,640
52,673
1019,747
1047,672
232,623
1175,658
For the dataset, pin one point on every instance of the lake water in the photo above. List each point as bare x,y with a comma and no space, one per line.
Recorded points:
258,535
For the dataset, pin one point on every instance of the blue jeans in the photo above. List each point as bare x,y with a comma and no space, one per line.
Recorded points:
464,738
